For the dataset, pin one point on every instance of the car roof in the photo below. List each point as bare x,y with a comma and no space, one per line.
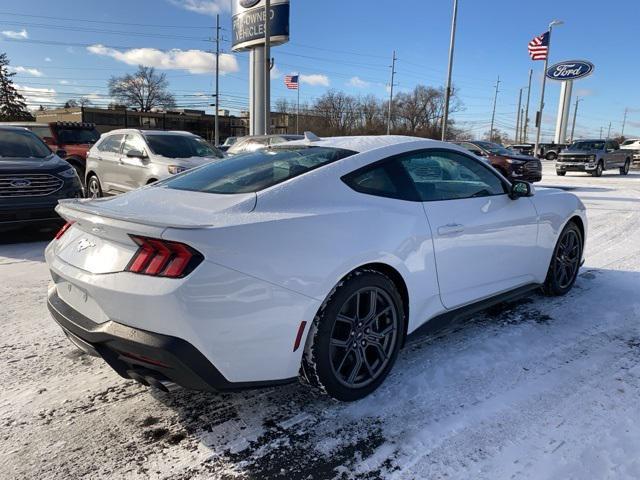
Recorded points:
366,143
23,124
13,127
121,131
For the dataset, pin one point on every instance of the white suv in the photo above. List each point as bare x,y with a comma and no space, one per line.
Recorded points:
123,160
632,144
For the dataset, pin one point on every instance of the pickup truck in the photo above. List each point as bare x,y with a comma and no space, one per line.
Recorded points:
594,157
632,144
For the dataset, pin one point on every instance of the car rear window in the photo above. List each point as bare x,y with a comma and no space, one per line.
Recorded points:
22,144
256,171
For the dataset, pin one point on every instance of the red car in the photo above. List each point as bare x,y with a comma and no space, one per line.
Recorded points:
512,165
74,138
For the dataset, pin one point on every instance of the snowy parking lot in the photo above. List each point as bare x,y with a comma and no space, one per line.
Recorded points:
542,388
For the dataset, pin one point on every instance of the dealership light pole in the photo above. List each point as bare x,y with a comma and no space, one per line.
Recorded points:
609,132
518,115
493,115
525,135
217,121
447,95
624,121
575,114
544,83
393,78
267,66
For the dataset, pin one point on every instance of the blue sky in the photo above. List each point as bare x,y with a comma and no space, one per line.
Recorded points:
340,44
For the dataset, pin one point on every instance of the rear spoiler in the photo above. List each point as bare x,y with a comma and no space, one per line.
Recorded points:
89,210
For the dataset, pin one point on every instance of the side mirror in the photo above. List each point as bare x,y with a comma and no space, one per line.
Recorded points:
136,154
61,153
520,188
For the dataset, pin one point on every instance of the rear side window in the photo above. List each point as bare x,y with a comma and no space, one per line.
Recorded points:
41,132
256,171
111,144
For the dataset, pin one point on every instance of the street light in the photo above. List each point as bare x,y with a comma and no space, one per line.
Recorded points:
447,95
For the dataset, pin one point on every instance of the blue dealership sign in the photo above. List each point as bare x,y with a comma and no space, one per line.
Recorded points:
248,19
570,70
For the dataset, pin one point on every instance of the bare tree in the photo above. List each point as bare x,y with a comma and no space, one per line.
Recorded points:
71,103
84,102
144,90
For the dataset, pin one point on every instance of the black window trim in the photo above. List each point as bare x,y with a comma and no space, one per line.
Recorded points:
403,181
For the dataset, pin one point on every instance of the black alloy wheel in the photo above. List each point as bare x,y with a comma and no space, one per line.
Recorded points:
355,338
363,337
565,262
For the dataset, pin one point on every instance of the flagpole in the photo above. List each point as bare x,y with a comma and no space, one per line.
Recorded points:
544,83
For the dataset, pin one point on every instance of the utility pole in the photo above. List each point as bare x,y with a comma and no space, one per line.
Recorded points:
600,137
267,67
525,137
575,114
493,115
544,83
609,132
518,115
216,136
447,96
393,78
624,121
521,125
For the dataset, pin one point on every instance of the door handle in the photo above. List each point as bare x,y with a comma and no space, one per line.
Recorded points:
450,229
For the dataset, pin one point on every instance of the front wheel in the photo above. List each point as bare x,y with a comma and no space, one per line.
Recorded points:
625,170
551,156
565,263
355,337
598,171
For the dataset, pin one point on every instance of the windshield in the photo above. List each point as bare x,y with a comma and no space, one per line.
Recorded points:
76,136
256,171
585,146
181,146
628,142
22,144
494,148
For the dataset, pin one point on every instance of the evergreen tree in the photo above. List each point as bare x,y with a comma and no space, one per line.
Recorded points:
12,103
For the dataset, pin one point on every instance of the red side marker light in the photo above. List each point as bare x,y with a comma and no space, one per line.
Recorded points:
296,345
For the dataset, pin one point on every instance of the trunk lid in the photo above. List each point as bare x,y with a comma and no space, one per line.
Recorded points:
99,241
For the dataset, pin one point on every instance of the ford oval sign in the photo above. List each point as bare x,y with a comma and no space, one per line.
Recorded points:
249,3
570,70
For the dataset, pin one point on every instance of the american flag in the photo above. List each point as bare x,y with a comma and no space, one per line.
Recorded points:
539,47
291,81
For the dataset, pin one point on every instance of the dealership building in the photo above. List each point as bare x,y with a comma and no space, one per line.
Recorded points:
194,121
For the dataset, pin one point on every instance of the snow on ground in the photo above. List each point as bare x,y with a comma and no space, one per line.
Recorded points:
542,388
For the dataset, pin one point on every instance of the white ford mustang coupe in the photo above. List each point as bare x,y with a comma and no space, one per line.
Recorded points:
312,259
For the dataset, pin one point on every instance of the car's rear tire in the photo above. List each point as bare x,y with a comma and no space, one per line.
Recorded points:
625,170
355,338
94,189
599,169
565,262
560,174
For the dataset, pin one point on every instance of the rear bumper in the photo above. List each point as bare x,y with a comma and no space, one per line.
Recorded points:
135,353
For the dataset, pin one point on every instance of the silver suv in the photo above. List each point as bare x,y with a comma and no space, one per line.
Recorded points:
123,160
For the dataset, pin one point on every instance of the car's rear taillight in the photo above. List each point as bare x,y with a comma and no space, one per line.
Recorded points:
63,230
162,258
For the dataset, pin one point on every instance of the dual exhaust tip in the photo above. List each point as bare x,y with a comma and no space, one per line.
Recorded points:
148,380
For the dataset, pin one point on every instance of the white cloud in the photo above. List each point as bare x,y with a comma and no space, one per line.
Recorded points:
195,61
204,7
36,96
357,82
275,73
584,92
315,80
31,71
21,35
48,59
64,82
